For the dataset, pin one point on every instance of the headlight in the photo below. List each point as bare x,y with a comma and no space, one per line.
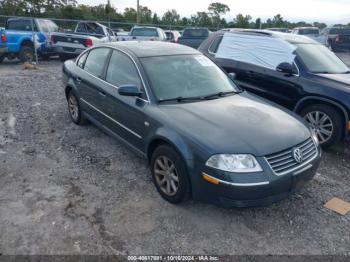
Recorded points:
234,163
314,137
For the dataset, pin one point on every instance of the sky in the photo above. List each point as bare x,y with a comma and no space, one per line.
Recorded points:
328,11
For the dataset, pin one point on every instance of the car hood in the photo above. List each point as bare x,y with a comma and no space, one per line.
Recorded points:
239,123
341,78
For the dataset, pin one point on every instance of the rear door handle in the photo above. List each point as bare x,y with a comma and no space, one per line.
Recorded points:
78,79
102,93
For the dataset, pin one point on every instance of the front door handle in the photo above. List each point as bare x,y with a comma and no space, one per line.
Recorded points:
102,93
78,79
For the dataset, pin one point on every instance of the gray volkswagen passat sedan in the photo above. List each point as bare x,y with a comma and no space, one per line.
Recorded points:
202,136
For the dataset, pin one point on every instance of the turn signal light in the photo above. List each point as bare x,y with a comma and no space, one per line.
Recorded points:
210,179
349,125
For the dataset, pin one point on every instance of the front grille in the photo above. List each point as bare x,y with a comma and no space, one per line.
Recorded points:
284,162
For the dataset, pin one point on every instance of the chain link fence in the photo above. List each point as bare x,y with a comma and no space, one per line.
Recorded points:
69,24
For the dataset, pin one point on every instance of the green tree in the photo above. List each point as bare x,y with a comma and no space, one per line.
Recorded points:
129,14
242,21
258,24
171,17
278,21
155,19
217,9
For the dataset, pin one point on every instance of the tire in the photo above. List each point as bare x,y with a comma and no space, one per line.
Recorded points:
2,57
74,109
63,57
167,157
45,57
332,123
26,54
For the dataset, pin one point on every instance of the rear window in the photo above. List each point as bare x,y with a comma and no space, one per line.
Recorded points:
94,29
20,25
339,31
195,33
144,32
309,31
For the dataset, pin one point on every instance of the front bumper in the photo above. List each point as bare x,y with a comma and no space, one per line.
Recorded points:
255,189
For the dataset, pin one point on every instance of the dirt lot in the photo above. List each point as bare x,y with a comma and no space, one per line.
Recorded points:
66,189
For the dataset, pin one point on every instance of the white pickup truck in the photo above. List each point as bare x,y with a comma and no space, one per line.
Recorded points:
70,44
145,33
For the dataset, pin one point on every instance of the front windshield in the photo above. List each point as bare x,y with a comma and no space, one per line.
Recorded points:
185,76
318,59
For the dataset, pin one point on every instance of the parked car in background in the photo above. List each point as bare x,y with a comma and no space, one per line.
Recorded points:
172,36
197,129
297,73
193,37
18,34
312,32
278,29
337,39
86,34
146,33
308,31
123,36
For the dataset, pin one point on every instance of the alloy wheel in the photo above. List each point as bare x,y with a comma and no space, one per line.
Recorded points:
73,107
322,124
166,175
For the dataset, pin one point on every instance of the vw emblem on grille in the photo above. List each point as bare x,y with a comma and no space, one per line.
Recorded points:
298,155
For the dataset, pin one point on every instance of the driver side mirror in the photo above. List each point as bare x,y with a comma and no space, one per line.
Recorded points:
129,90
285,68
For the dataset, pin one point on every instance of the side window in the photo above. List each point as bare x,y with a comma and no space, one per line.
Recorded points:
110,32
82,59
122,71
96,60
215,45
81,28
43,26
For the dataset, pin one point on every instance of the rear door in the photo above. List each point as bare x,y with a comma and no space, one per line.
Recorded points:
126,114
89,81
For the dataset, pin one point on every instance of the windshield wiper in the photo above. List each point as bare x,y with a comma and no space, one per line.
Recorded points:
180,99
220,94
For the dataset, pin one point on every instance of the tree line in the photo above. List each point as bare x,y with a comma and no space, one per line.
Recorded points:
212,17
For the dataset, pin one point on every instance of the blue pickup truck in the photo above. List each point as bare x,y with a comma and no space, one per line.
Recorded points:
16,40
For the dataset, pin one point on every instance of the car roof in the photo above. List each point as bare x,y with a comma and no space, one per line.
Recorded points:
306,27
291,38
153,48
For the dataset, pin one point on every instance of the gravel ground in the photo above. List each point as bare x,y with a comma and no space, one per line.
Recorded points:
66,189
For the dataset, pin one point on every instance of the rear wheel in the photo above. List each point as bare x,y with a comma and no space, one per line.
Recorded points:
326,121
170,175
2,57
74,109
26,54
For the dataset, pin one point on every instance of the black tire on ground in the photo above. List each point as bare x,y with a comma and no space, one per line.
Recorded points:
2,57
63,57
45,57
183,184
26,54
75,114
336,119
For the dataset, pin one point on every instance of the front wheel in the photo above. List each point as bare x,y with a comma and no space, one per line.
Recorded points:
26,54
2,57
170,175
326,121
